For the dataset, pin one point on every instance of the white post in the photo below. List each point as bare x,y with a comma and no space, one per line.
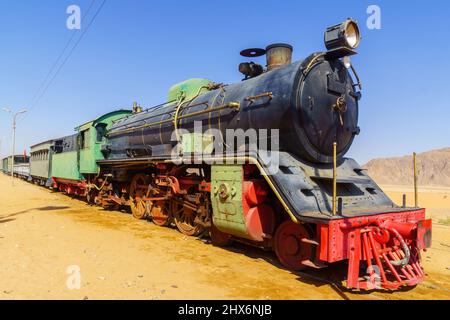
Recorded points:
13,145
13,151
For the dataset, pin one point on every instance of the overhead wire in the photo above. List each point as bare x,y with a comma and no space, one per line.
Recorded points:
67,57
58,59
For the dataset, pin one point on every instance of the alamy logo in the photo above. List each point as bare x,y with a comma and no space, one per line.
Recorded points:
374,280
216,147
374,19
74,280
73,22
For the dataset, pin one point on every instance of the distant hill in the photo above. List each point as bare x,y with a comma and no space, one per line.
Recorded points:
433,169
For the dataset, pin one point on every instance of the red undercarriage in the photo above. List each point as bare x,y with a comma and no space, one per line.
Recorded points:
386,246
74,187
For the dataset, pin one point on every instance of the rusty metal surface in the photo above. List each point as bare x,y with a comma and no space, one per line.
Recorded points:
278,55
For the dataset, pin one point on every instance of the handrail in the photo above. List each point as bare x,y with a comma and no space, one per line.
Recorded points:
232,105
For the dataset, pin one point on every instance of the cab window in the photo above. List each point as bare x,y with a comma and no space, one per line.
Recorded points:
101,131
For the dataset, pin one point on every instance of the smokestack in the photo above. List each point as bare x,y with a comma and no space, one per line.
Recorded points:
278,55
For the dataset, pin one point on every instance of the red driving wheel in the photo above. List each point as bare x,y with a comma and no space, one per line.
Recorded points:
290,249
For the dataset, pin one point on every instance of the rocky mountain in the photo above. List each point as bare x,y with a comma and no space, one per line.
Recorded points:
433,169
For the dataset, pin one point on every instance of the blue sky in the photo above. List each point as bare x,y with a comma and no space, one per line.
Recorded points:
136,50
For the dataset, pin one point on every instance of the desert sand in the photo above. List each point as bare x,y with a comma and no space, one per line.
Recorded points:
43,234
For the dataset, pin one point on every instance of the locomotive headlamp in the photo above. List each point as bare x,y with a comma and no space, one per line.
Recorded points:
352,35
343,35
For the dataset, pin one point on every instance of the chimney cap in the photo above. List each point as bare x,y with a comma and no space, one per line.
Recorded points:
277,45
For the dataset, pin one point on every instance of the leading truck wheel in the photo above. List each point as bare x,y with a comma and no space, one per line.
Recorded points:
290,249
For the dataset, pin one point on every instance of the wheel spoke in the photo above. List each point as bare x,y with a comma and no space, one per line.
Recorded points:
138,186
160,214
185,220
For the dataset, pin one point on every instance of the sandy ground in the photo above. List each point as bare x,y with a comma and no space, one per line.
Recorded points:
44,234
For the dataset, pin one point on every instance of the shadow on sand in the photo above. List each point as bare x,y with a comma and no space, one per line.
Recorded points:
10,217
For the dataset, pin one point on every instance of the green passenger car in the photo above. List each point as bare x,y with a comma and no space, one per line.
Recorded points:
40,163
75,157
5,167
21,166
64,164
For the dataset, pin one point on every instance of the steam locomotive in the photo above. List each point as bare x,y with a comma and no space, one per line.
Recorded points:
175,165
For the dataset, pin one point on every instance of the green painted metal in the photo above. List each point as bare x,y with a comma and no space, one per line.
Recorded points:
4,164
65,166
7,164
41,156
91,138
226,199
188,89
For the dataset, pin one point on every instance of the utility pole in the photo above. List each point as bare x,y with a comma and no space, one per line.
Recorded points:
13,146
